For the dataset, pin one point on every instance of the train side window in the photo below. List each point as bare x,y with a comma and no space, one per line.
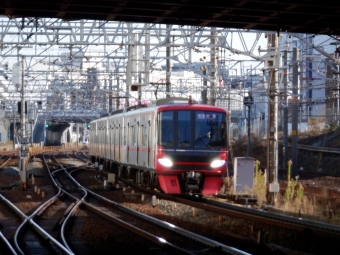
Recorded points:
144,135
124,137
116,135
133,136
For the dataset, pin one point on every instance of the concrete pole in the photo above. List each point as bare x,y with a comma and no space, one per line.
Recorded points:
204,92
77,128
272,163
249,142
118,99
110,94
337,95
147,56
285,110
129,69
14,125
213,67
84,127
23,176
168,62
295,112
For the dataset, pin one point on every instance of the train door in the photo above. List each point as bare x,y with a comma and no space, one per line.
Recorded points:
137,130
125,142
121,141
116,147
143,144
103,139
100,133
111,139
132,143
151,143
102,129
100,138
107,141
94,140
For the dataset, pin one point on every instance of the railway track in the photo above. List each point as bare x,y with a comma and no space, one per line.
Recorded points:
257,220
235,210
6,158
85,212
151,229
50,228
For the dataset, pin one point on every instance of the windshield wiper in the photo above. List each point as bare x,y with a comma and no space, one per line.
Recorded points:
201,139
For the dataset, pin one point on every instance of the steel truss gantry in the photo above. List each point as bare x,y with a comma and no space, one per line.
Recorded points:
78,68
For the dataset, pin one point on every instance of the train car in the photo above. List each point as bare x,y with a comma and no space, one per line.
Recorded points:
179,147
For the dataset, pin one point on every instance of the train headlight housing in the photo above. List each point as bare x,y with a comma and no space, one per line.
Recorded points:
165,162
217,163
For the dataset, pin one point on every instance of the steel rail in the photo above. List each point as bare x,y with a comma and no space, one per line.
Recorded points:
126,225
9,246
168,226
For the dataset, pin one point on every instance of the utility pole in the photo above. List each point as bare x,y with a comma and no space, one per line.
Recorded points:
272,150
204,93
129,68
110,93
285,109
248,101
295,112
336,93
78,135
24,141
147,56
213,67
168,62
117,89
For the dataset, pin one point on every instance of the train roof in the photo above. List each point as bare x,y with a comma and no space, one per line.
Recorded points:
174,103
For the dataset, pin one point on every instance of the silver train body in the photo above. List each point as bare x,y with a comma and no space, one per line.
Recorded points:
177,147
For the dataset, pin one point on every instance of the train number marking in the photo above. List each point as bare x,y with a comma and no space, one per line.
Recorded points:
173,182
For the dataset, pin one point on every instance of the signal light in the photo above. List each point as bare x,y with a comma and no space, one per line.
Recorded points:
46,126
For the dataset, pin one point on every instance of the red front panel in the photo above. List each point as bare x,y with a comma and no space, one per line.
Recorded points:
169,184
212,185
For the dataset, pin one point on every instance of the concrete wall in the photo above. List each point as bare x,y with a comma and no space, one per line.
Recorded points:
4,129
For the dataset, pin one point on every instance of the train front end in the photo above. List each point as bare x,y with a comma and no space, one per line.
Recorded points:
191,153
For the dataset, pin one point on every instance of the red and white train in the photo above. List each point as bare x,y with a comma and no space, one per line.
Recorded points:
180,147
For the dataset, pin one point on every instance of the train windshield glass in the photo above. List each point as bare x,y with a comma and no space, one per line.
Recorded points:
198,129
210,129
166,128
184,127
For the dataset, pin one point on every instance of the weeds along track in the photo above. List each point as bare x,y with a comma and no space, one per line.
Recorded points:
264,225
255,215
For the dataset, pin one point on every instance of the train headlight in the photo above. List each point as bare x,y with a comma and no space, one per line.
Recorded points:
165,162
217,163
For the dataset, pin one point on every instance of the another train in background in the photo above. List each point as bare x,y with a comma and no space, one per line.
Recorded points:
175,145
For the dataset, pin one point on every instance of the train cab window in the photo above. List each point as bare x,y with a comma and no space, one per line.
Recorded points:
184,128
210,129
166,128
